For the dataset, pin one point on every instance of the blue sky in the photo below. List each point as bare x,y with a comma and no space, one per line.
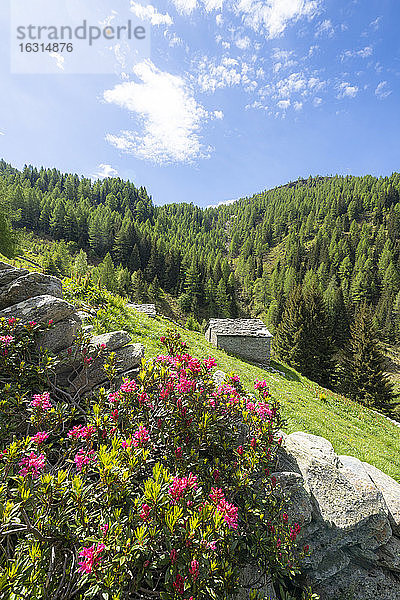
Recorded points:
236,96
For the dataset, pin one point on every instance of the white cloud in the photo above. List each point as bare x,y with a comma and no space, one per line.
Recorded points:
381,91
150,13
243,43
169,115
185,7
283,104
317,101
376,23
218,114
363,53
104,170
325,28
229,72
274,16
211,5
2,133
346,90
222,203
283,59
298,105
59,59
219,20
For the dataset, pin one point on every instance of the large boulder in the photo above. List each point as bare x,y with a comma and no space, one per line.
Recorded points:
40,309
29,285
127,359
345,517
61,335
8,274
390,490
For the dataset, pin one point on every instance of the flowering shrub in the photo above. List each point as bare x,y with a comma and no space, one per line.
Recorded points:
162,490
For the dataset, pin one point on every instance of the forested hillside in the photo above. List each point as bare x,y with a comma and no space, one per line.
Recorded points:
340,233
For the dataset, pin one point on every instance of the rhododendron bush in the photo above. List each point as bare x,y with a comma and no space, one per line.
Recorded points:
161,488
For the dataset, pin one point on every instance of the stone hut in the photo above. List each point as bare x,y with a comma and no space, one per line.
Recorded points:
247,338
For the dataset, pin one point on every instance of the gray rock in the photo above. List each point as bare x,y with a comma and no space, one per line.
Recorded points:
391,493
358,583
127,358
61,335
219,377
10,274
299,502
40,309
112,340
28,286
251,578
5,266
389,555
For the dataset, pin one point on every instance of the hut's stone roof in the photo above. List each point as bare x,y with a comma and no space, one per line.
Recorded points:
245,327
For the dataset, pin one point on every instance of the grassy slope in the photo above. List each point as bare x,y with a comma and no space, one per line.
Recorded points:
351,428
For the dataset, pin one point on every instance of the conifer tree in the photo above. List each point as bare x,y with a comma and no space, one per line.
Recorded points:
302,338
363,364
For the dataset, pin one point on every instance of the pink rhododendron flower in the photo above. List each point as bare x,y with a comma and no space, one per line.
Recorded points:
12,321
209,363
263,410
81,431
229,511
180,485
128,386
260,385
92,558
41,401
179,584
84,458
145,512
173,556
141,437
6,340
178,452
40,437
194,569
32,465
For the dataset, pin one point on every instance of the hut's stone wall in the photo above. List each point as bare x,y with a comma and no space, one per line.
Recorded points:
256,349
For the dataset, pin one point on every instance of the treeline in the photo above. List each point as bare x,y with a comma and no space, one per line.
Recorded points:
113,217
341,233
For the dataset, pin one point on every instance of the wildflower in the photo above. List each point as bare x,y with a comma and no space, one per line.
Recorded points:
285,517
32,323
105,528
40,437
278,543
273,481
216,474
128,386
87,360
41,401
263,410
180,485
144,513
260,385
194,569
178,452
6,340
141,437
209,363
12,321
32,465
253,443
240,450
51,322
84,458
92,558
294,531
306,548
173,555
80,431
230,513
179,584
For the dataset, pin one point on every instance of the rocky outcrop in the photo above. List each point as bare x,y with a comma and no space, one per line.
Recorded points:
349,513
37,297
